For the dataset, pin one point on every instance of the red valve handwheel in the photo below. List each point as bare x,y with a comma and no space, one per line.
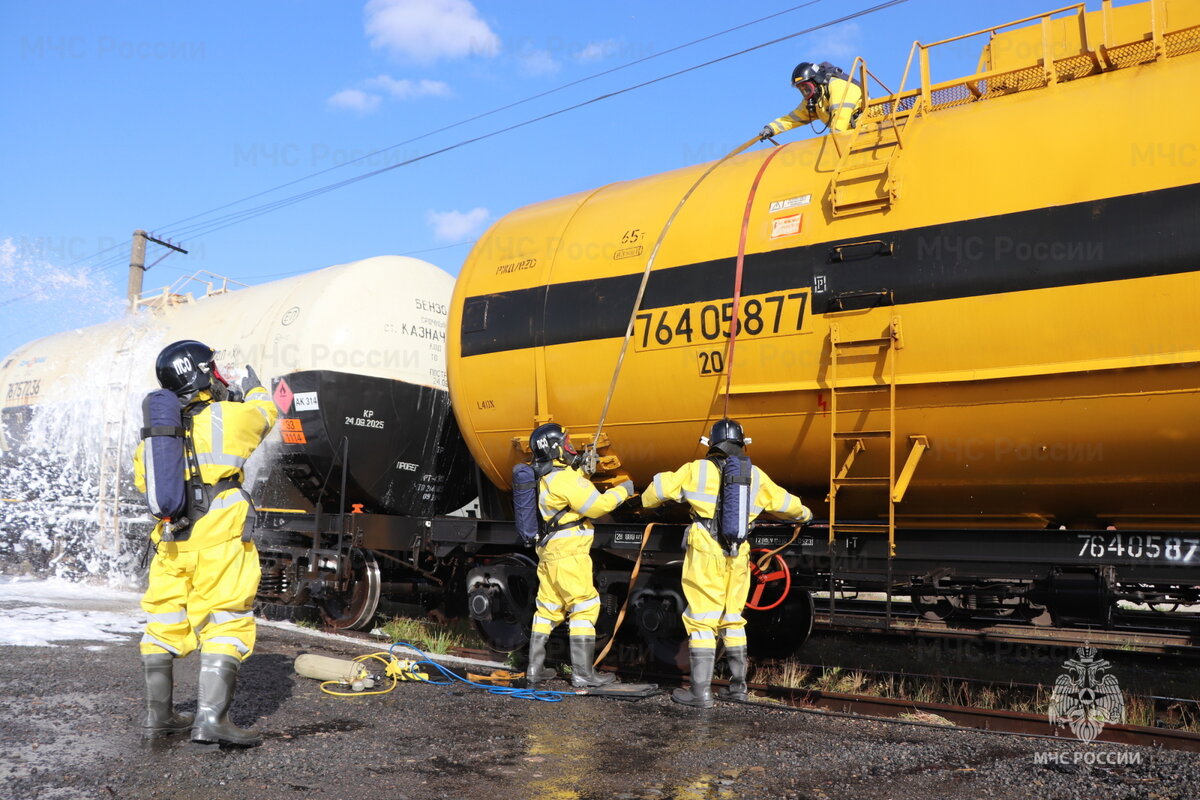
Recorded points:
760,579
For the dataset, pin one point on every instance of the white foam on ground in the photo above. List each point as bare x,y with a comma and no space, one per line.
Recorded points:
46,626
50,590
47,613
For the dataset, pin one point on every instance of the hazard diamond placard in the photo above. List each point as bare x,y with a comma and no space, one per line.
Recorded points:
283,397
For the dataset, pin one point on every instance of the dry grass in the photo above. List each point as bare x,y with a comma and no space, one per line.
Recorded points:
429,636
925,716
1139,710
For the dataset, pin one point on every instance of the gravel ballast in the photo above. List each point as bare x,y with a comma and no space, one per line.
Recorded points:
69,716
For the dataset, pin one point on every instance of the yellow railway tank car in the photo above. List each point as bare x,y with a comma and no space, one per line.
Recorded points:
965,328
1014,253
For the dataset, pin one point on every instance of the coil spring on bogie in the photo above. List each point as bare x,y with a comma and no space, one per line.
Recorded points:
275,582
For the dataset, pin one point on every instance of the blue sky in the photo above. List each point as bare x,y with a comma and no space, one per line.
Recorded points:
135,114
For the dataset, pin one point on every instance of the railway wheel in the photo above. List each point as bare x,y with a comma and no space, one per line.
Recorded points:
936,607
355,608
780,632
500,596
657,609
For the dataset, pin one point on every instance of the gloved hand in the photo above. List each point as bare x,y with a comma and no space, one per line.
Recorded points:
629,488
766,132
249,381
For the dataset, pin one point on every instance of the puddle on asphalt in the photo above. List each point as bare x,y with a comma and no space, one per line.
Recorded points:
559,764
332,726
705,787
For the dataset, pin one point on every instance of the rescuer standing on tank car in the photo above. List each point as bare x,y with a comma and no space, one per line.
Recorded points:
566,502
829,96
716,566
205,571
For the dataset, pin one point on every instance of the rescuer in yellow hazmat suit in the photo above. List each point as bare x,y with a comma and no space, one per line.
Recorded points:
715,583
567,501
827,97
204,577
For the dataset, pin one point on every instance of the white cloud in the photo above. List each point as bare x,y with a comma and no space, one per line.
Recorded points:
537,62
837,44
455,226
594,51
405,89
428,30
355,100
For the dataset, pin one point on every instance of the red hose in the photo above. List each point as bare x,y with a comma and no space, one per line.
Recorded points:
737,278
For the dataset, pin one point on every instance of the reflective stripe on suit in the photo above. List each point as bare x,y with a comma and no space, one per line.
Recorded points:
716,584
836,109
565,587
201,590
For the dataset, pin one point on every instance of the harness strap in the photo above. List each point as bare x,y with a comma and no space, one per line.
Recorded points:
555,524
163,430
200,495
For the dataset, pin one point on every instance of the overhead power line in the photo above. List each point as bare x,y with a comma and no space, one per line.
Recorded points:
114,260
497,110
205,227
225,221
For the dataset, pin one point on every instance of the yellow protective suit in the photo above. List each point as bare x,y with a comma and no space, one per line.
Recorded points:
565,587
836,109
714,583
202,589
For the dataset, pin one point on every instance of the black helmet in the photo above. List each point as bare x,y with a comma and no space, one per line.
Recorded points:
726,430
549,442
807,71
187,367
725,438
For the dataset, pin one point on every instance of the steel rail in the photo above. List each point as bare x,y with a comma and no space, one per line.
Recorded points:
913,627
966,718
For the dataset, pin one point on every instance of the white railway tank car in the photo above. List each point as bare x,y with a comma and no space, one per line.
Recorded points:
354,355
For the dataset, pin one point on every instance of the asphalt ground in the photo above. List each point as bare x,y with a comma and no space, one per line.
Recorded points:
69,717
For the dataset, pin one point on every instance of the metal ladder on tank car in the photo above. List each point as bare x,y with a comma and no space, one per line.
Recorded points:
863,179
112,444
894,486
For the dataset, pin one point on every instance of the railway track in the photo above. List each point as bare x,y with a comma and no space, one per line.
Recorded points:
902,711
962,717
1131,632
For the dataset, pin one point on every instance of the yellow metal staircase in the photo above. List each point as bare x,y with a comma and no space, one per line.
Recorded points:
864,179
847,442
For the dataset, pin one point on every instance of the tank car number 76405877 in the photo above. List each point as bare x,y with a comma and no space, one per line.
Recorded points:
1139,546
696,323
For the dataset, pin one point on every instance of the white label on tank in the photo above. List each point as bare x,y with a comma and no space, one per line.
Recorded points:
791,202
306,401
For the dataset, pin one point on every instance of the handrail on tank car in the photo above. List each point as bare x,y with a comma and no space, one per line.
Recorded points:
175,293
865,76
921,98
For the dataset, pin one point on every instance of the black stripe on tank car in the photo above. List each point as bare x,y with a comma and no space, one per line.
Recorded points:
1133,236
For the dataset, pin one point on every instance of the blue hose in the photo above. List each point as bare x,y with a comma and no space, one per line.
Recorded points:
545,695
